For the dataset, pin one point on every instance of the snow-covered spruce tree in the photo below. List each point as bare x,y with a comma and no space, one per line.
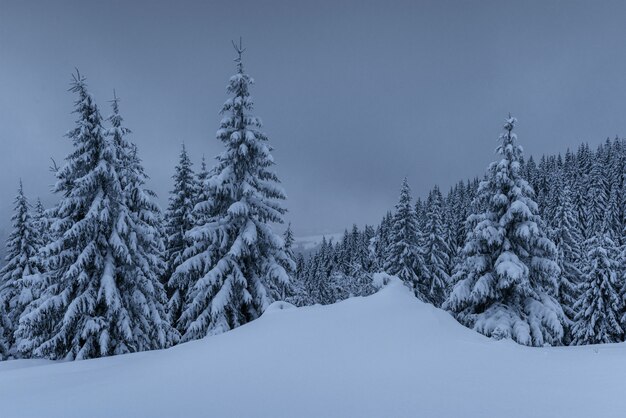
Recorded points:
277,289
179,216
434,283
16,285
145,297
41,222
598,191
5,331
508,272
201,179
568,240
584,161
101,295
235,255
179,221
600,304
403,256
615,177
381,241
299,295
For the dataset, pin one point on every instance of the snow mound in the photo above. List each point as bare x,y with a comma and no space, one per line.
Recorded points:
386,355
279,305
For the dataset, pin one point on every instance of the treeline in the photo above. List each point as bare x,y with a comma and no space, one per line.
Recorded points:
105,272
535,251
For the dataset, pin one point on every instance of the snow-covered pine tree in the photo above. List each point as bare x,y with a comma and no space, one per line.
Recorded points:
614,172
508,273
16,285
403,257
584,165
434,283
100,297
598,191
600,304
568,239
5,331
179,221
179,212
279,290
381,241
299,296
41,222
235,254
145,296
201,179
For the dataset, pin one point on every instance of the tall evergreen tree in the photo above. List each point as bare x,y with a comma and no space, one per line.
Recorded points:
403,258
581,198
600,305
382,240
41,222
505,282
179,221
568,239
16,285
99,298
435,250
179,212
598,192
145,296
615,170
280,290
235,254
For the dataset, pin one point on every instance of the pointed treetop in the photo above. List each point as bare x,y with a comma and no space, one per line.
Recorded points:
510,123
240,50
115,102
78,82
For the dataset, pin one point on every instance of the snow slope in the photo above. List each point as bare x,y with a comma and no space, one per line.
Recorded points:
387,355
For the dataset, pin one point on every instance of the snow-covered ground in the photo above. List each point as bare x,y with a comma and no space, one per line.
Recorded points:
387,355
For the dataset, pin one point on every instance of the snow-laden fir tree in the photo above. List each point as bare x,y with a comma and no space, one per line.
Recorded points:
201,178
41,222
583,190
179,221
146,299
235,256
101,294
508,274
5,332
381,241
435,280
16,281
568,239
403,258
600,304
615,171
179,218
598,192
279,290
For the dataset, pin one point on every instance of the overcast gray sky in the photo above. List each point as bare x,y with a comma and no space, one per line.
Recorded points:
354,95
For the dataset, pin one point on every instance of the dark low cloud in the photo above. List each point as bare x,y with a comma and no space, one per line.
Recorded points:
354,95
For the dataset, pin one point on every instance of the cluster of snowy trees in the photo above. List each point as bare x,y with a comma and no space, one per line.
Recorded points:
533,252
104,272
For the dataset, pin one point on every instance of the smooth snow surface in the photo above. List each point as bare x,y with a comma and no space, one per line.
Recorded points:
387,355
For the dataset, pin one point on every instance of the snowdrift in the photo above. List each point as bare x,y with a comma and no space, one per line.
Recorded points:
387,355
